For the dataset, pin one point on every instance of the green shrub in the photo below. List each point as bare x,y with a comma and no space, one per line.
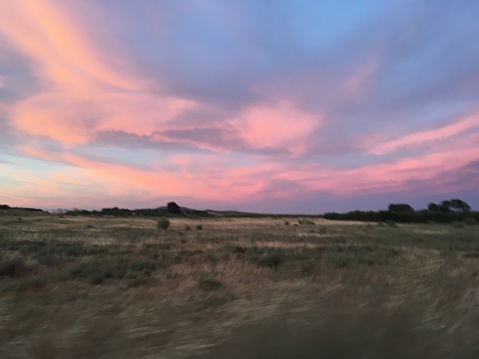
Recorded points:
163,223
199,227
457,224
188,228
391,223
470,221
306,222
286,223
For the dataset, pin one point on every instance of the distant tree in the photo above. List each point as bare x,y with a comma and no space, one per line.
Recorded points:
445,206
458,205
173,208
433,207
401,208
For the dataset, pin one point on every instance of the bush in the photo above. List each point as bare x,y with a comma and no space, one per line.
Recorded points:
15,268
163,223
286,223
209,284
306,221
470,221
307,268
458,224
391,223
199,227
271,261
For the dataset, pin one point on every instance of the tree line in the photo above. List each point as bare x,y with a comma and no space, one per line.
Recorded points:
171,209
448,211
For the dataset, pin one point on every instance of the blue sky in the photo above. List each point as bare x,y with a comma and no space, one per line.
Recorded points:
272,106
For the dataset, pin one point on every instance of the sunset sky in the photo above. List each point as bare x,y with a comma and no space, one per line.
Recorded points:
255,105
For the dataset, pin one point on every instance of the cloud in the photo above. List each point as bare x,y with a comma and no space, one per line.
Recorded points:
238,103
46,32
423,137
278,126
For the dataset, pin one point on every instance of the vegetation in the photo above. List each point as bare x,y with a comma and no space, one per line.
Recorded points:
450,211
163,223
173,208
240,288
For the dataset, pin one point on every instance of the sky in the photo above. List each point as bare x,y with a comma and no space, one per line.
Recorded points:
269,106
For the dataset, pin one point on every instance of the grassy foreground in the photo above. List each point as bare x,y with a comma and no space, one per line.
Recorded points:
83,287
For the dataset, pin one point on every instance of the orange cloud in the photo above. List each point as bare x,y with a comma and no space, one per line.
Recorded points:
84,89
66,57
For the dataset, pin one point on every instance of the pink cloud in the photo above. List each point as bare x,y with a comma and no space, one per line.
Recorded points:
281,125
354,86
46,32
421,138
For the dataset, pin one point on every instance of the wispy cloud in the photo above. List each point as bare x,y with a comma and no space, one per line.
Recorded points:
236,104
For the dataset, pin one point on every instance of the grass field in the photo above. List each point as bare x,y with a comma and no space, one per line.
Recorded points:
100,287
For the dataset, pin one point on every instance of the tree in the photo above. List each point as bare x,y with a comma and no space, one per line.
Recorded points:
458,205
445,206
173,208
454,204
401,208
163,223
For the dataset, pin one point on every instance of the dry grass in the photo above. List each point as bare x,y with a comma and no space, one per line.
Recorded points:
121,288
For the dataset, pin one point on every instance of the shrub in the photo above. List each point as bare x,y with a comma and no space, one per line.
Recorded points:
306,221
23,284
271,261
209,284
391,223
286,223
188,228
199,227
307,268
163,223
97,278
470,221
457,224
15,268
239,249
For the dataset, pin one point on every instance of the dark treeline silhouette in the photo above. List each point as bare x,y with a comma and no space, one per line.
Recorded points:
7,207
453,210
172,209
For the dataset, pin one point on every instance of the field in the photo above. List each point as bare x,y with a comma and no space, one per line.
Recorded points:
105,287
